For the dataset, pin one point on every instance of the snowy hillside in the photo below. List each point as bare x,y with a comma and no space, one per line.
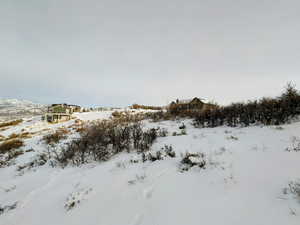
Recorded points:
250,177
14,108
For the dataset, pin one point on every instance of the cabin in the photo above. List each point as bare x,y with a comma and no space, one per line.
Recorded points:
60,112
195,104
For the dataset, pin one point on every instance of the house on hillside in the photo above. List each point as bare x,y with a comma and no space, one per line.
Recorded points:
194,104
60,112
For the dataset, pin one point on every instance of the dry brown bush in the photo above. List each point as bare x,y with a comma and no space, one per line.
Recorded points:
267,111
116,114
78,126
12,136
160,116
2,138
23,135
103,139
127,117
11,123
3,129
80,129
9,145
137,106
56,137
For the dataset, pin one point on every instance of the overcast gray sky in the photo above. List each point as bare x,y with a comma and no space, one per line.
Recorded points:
117,52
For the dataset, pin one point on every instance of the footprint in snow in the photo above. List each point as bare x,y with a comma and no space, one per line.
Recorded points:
148,192
138,219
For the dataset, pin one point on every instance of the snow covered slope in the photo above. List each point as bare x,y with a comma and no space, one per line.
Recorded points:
245,181
14,108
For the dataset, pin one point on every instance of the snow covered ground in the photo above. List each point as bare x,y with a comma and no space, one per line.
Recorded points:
243,182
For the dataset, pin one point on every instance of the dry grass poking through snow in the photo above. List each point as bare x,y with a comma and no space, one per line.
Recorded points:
10,123
2,138
23,135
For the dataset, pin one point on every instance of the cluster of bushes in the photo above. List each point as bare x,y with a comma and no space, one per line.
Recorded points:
127,117
190,160
56,136
9,145
137,106
104,139
267,111
171,114
295,147
159,116
9,150
166,151
293,188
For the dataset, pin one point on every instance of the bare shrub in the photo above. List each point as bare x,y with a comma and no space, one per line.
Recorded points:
148,137
182,132
293,188
162,132
80,129
103,139
2,138
9,145
190,160
116,114
159,116
56,137
182,126
7,208
14,154
295,147
8,158
234,138
127,117
137,106
267,111
39,160
75,198
168,149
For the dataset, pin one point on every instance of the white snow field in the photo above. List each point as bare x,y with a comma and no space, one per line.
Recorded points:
244,182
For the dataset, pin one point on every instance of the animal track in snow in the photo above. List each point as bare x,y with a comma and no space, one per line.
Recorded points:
76,198
148,192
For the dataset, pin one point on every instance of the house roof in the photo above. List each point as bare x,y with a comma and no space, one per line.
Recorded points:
185,101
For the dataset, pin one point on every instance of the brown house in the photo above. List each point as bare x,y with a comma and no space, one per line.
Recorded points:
194,104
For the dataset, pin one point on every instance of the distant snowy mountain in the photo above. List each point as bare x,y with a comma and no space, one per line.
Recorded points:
14,109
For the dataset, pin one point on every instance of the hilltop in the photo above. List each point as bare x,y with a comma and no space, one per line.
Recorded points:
17,109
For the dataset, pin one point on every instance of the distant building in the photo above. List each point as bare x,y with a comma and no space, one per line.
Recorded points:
60,112
194,104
